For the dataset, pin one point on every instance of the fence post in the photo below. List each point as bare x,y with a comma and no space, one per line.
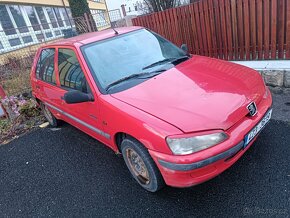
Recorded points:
88,22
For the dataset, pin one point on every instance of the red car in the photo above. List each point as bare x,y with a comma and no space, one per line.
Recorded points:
177,119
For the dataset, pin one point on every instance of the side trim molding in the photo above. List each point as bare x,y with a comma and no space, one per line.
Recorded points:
96,130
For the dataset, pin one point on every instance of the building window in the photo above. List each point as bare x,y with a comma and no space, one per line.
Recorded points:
58,17
101,18
14,42
18,18
57,32
69,13
48,34
65,15
32,17
42,17
52,17
40,37
27,39
6,22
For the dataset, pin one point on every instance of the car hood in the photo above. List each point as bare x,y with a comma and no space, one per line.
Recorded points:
199,94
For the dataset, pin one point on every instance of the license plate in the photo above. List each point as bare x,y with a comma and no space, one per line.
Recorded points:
254,132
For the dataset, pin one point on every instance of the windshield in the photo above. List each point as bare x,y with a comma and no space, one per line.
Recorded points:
137,52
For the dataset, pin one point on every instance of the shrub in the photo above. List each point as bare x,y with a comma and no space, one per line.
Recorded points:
78,9
16,106
23,115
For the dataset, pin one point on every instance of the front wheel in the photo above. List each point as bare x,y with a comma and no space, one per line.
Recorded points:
49,116
141,165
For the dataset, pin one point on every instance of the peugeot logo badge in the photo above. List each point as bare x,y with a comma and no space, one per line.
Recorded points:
252,109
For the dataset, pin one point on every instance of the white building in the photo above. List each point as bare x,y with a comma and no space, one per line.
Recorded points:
28,22
131,6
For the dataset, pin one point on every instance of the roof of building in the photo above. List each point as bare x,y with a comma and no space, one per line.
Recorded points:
93,36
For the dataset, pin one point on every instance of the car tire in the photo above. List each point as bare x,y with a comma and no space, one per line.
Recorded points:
49,116
141,165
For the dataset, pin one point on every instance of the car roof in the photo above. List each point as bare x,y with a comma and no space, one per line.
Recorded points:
93,36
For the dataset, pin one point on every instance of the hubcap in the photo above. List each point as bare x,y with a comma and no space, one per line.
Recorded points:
138,166
47,115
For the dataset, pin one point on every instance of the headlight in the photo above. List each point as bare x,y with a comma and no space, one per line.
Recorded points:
182,146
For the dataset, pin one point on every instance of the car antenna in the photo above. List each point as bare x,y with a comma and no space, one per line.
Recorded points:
116,32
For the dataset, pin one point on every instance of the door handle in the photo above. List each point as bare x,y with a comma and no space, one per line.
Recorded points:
93,116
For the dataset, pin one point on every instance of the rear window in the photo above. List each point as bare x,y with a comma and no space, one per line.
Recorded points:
45,66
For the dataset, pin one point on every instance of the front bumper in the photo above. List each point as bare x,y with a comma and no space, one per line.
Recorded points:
192,166
193,169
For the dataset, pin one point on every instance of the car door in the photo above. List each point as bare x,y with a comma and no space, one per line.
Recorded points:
45,79
71,76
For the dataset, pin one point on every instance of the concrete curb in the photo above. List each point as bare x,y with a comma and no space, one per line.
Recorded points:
274,73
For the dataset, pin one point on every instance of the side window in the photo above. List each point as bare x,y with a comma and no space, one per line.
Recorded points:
70,73
45,66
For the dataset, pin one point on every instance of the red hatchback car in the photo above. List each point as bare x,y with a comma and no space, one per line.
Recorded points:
177,119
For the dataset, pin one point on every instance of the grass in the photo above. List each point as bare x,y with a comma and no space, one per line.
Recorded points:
15,72
15,80
30,117
18,83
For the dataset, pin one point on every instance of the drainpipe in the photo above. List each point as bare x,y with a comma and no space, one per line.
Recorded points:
124,10
66,13
108,12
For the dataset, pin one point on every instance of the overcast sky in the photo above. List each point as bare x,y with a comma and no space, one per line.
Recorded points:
116,4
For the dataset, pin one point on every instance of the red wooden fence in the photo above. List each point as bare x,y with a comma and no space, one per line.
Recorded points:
227,29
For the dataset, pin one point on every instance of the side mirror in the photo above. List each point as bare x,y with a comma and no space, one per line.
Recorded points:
184,48
74,97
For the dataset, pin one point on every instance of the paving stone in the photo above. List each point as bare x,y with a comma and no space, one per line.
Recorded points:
287,79
274,77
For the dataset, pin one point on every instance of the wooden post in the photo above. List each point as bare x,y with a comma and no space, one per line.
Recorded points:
88,22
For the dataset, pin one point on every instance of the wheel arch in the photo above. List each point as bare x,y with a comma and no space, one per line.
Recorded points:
120,136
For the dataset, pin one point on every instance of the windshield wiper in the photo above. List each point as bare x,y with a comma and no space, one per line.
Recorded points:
170,60
144,75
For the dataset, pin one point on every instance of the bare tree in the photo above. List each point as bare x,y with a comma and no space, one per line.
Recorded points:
149,6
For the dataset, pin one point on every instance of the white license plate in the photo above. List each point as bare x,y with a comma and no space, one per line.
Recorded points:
254,132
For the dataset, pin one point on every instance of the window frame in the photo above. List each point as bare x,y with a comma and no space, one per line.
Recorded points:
22,29
54,62
91,90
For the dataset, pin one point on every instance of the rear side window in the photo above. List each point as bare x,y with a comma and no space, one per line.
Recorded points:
45,66
70,73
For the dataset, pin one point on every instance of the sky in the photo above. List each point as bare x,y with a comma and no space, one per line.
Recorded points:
116,4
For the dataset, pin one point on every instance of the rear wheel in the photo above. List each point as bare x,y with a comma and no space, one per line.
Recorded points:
49,116
141,165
